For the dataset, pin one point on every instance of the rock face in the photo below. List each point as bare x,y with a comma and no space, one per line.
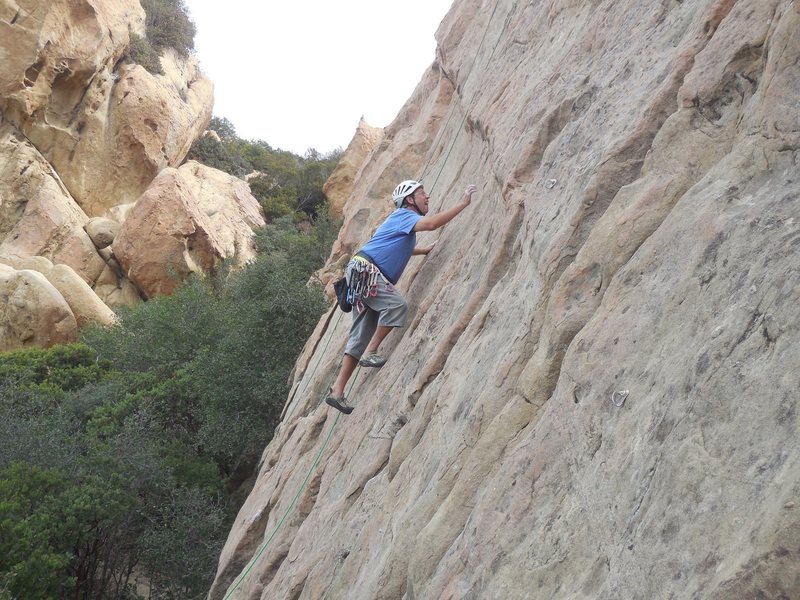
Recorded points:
339,185
105,127
596,395
187,221
38,216
83,134
32,311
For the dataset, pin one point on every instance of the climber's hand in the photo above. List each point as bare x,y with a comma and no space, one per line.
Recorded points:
471,189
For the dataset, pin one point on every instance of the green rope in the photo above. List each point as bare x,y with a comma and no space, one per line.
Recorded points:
266,544
309,377
469,73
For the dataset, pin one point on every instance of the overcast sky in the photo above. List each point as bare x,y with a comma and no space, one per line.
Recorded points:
299,74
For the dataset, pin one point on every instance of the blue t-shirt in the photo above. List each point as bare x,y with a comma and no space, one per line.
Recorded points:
391,246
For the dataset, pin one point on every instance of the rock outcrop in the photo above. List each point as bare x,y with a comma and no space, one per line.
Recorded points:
106,128
38,216
187,221
83,135
596,395
32,311
339,185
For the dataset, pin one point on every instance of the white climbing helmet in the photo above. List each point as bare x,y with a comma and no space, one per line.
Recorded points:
406,188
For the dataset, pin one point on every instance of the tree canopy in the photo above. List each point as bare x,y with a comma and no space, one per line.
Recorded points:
286,185
127,455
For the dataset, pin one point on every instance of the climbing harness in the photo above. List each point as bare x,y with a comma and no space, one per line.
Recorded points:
362,281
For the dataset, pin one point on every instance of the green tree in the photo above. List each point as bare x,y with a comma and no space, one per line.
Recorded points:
286,184
142,52
129,450
224,128
169,26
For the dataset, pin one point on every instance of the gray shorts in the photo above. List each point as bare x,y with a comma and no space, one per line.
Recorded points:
388,309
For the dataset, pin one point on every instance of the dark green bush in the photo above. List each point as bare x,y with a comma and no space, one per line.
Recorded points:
130,449
169,26
66,367
286,184
214,153
141,52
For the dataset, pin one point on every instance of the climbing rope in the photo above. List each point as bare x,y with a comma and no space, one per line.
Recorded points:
271,537
452,109
308,378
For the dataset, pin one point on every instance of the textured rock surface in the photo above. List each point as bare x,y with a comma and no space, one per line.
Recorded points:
82,136
38,216
187,221
113,287
106,128
230,207
102,231
339,185
85,305
32,311
635,237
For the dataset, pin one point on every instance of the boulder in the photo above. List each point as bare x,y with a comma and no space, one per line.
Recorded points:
102,231
32,311
83,301
86,306
114,288
187,221
232,210
38,216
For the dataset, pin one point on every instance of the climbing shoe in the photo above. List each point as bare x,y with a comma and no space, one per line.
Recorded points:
373,359
339,404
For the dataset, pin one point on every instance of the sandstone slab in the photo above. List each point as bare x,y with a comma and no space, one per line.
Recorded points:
38,216
595,396
107,128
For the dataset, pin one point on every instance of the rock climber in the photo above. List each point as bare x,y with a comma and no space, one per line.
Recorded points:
373,272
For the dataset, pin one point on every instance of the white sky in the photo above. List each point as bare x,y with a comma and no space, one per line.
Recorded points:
299,74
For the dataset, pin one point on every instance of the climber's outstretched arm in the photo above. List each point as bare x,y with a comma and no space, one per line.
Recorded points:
429,223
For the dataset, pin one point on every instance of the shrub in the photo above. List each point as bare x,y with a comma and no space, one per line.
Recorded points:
130,449
67,367
216,154
169,26
141,52
288,184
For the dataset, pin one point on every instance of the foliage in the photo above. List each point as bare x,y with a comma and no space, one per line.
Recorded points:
142,52
223,128
30,520
67,367
167,25
127,451
284,183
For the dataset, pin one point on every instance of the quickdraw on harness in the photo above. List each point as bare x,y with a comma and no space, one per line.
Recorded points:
362,281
